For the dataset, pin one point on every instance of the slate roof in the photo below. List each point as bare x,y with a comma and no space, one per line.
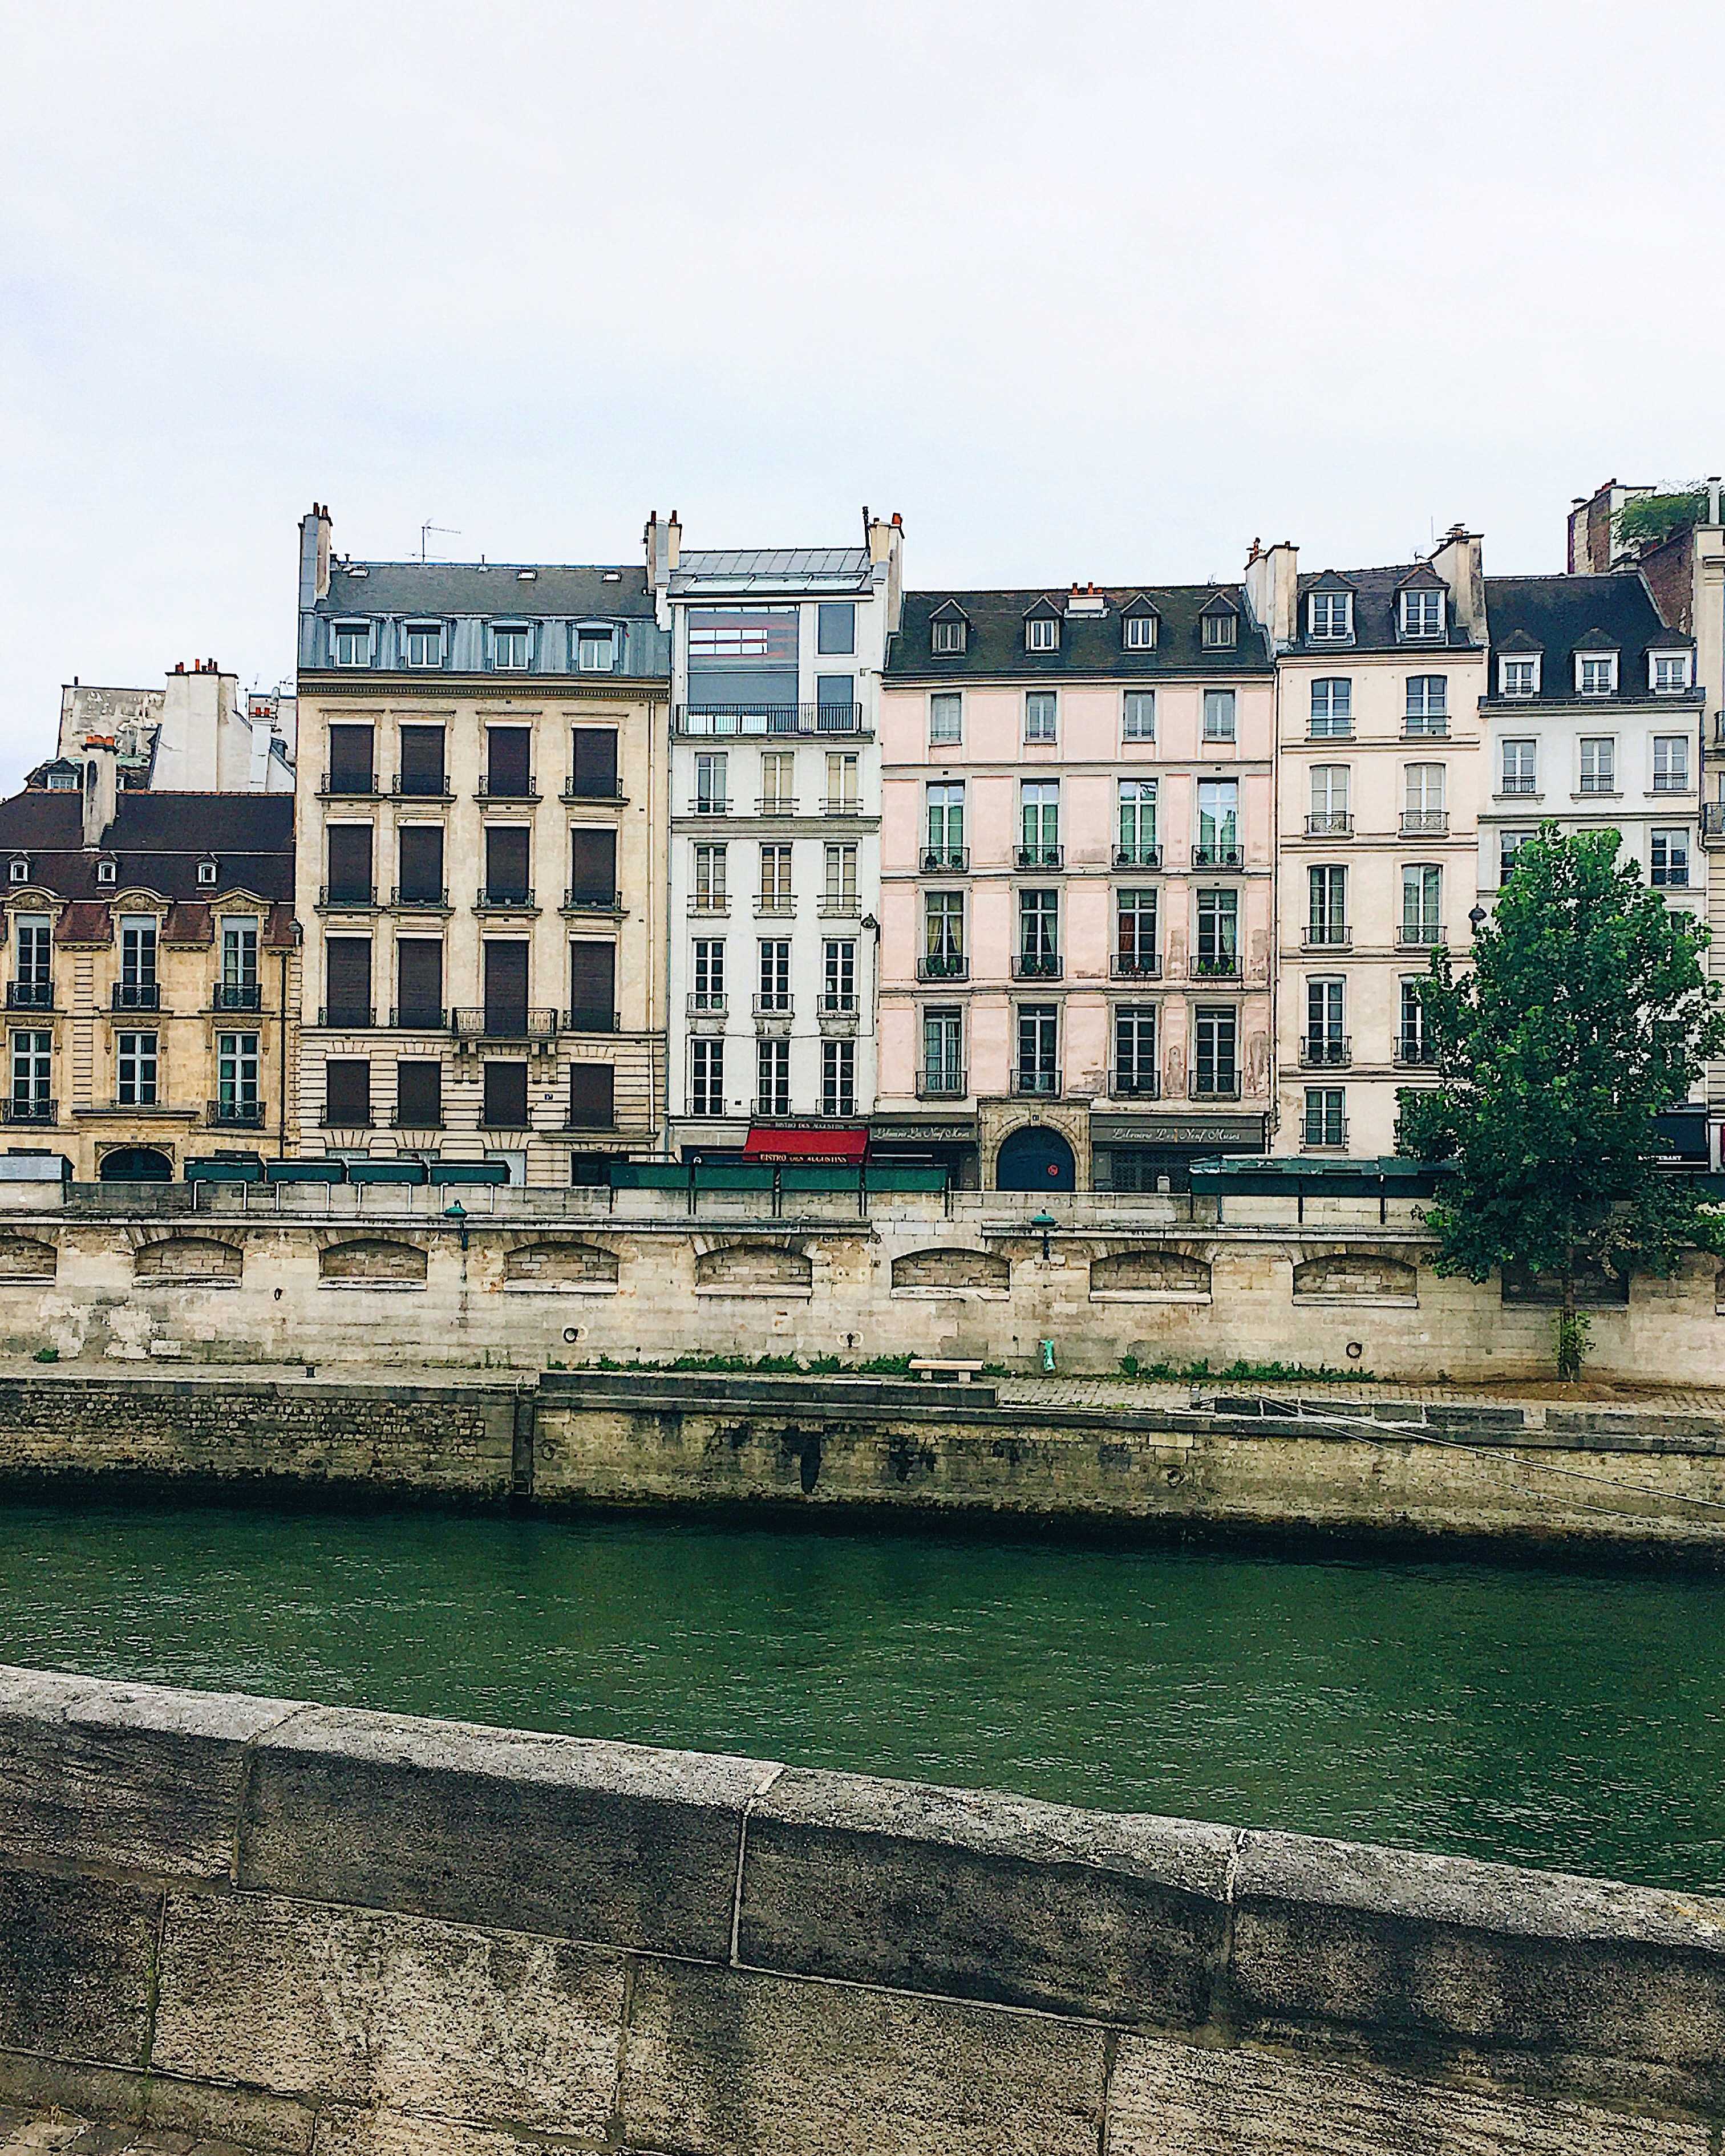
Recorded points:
1561,615
1091,646
1375,610
761,569
157,839
497,591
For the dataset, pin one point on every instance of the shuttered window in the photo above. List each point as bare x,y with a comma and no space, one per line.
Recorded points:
593,1089
351,765
347,1094
505,987
595,772
419,1095
506,864
350,858
593,987
421,869
505,1096
348,962
419,982
592,868
422,760
509,761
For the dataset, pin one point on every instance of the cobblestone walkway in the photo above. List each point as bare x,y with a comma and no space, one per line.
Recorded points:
25,2132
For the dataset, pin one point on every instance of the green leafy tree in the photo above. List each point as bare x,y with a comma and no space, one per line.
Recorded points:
1649,519
1586,1011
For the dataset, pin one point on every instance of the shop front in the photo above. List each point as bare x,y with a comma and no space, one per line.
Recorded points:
1152,1153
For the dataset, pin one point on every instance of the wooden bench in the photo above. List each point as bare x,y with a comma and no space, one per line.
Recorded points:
960,1373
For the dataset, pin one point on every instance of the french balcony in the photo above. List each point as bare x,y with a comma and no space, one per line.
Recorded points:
1327,936
35,1109
1420,935
1214,1085
347,897
1219,857
1329,824
593,789
835,1005
1428,726
1712,820
776,804
1326,1051
236,995
838,905
704,1003
1136,966
421,786
1675,878
1140,1084
29,995
137,995
347,1018
419,897
1410,1053
1425,823
719,720
1137,857
1221,965
1672,782
590,1017
495,1024
418,1018
513,898
1039,857
348,786
776,1005
944,965
942,1081
590,1117
840,804
234,1115
1328,730
507,789
1036,966
710,905
597,898
946,860
710,804
1039,1079
1324,1134
775,905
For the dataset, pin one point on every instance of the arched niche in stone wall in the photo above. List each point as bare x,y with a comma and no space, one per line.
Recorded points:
561,1264
196,1260
371,1261
25,1257
1357,1276
1156,1275
760,1269
950,1272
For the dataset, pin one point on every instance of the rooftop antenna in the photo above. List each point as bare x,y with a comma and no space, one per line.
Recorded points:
426,530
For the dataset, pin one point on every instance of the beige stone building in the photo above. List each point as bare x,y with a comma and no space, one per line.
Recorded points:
482,821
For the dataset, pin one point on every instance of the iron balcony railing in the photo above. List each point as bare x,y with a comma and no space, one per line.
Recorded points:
348,896
416,786
1415,822
1425,727
1217,857
1146,856
1136,965
1672,782
348,785
944,965
840,804
1216,1086
838,905
775,905
1328,823
1326,1051
418,1018
582,900
1420,935
236,995
1330,730
420,898
506,790
1039,857
1221,965
137,995
1410,1053
495,1024
36,1108
590,1116
1039,1078
243,1115
942,1081
593,789
29,995
1135,1084
347,1018
1036,966
776,804
711,903
1327,936
589,1019
710,804
767,719
778,1004
946,860
1324,1133
503,901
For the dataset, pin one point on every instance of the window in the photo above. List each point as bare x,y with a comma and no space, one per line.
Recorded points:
1042,632
1518,677
347,981
772,1076
1221,632
1215,1068
1424,800
419,1096
838,995
1670,858
1422,904
945,718
1137,848
239,964
353,643
136,1062
709,880
19,869
592,867
1671,763
708,974
838,1077
779,790
943,920
1325,1123
942,1051
1427,709
593,987
836,626
741,635
1326,897
424,642
1412,1037
348,866
1039,1068
504,1106
208,872
1040,716
1040,933
32,986
706,1076
1039,824
1138,716
595,650
838,892
946,637
775,891
1422,614
419,982
33,1076
506,866
709,785
1135,1049
1520,770
1326,1032
842,796
1219,715
1509,845
1598,764
775,990
1596,673
1670,672
1135,935
1218,845
137,984
107,872
511,644
1329,811
353,763
1329,617
1331,707
1218,932
945,849
1139,632
422,760
835,704
237,1077
509,763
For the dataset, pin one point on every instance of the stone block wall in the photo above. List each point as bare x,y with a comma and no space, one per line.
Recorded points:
340,1934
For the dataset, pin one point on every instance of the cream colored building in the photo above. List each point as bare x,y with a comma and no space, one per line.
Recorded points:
482,823
1380,677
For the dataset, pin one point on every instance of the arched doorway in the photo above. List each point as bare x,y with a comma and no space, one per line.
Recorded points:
135,1165
1036,1157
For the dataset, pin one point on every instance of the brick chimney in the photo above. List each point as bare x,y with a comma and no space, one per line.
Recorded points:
315,555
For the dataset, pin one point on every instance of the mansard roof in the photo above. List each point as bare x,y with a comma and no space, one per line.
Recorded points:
1091,646
1561,615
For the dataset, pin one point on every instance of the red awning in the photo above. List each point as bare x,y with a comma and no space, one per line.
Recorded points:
834,1148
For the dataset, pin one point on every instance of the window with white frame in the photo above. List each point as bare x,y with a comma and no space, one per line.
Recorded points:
1330,788
1135,1049
838,1077
1509,845
1668,672
839,890
709,880
1422,903
33,968
772,1076
1140,632
706,1076
946,637
1424,798
945,718
511,646
1671,763
775,990
1218,719
774,892
1427,708
1670,858
1326,906
595,650
1042,632
1520,766
837,994
107,872
1329,617
711,797
1422,614
1331,707
32,1076
237,1073
424,643
708,974
1595,673
1326,1120
1598,763
1326,1019
208,871
18,871
352,642
134,1069
1137,848
1138,717
1518,677
942,1051
1221,632
1039,716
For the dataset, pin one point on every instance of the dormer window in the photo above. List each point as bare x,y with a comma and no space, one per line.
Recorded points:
595,650
1140,632
946,637
107,872
1422,614
1329,617
1042,632
19,872
206,871
1668,672
63,781
1518,677
512,646
1221,632
1596,673
352,643
425,641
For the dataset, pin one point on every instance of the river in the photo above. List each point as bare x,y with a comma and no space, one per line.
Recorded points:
1574,1720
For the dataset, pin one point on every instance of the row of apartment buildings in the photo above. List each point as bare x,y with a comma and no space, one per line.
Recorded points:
757,854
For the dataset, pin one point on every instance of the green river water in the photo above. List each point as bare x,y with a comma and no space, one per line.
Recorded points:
1574,1720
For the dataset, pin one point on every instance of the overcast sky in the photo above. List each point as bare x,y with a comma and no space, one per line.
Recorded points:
1097,291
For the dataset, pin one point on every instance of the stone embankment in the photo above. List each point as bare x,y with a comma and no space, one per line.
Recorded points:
310,1930
1455,1471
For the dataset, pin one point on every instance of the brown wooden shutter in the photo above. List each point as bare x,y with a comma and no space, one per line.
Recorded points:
421,759
593,987
596,762
419,1095
507,863
350,762
347,972
505,1107
506,988
419,982
349,857
592,867
347,1094
592,1096
422,863
509,761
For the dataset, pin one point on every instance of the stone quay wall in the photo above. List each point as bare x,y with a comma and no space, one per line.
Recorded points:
322,1932
523,1287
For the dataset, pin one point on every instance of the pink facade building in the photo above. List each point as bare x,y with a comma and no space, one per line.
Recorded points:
1076,901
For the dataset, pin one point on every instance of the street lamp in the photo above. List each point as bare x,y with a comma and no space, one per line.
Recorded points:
1044,1221
457,1213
